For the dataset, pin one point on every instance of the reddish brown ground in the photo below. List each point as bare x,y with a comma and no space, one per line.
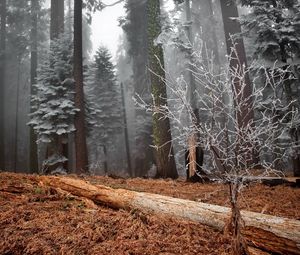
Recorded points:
39,220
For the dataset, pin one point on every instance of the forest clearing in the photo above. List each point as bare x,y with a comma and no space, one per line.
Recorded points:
36,218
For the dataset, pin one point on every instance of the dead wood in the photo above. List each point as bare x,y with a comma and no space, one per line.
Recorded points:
266,232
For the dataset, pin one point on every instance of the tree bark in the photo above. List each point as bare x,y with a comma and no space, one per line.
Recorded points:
17,115
69,19
33,152
238,62
3,15
129,167
162,138
105,160
80,134
57,19
266,232
206,22
136,31
56,30
193,139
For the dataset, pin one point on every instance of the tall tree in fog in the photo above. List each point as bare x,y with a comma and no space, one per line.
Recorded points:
69,20
135,27
80,134
18,49
57,23
105,96
57,19
238,61
54,111
162,138
2,77
204,22
274,28
192,143
33,152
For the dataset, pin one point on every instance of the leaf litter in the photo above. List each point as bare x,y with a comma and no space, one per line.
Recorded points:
35,219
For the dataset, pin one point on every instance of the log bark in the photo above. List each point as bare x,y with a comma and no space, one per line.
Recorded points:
268,233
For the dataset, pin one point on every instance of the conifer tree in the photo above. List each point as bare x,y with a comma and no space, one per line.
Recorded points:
104,96
275,28
238,61
135,27
54,110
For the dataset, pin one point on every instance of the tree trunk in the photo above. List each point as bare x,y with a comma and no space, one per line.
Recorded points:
266,232
164,157
205,21
238,62
56,30
129,168
136,32
80,134
33,152
105,160
193,139
57,19
70,19
17,116
3,15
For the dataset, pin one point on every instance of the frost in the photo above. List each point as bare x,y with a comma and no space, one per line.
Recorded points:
54,109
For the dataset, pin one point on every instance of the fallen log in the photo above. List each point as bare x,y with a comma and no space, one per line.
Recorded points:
268,233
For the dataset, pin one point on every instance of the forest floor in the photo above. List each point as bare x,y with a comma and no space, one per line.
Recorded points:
38,220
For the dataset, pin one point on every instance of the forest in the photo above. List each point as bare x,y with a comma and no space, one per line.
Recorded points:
183,141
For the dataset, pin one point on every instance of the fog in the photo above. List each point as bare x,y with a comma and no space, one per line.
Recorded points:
37,77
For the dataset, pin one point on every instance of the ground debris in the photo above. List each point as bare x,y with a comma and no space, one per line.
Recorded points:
41,220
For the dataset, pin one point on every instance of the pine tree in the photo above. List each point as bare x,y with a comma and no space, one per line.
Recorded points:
238,61
275,28
104,95
54,110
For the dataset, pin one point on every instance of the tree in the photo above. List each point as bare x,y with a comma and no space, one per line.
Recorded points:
129,166
2,77
57,23
205,24
135,27
192,154
54,110
105,96
57,19
238,62
274,26
18,42
162,139
221,136
80,134
271,234
33,152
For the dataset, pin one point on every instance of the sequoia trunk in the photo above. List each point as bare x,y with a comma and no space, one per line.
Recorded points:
162,138
80,134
